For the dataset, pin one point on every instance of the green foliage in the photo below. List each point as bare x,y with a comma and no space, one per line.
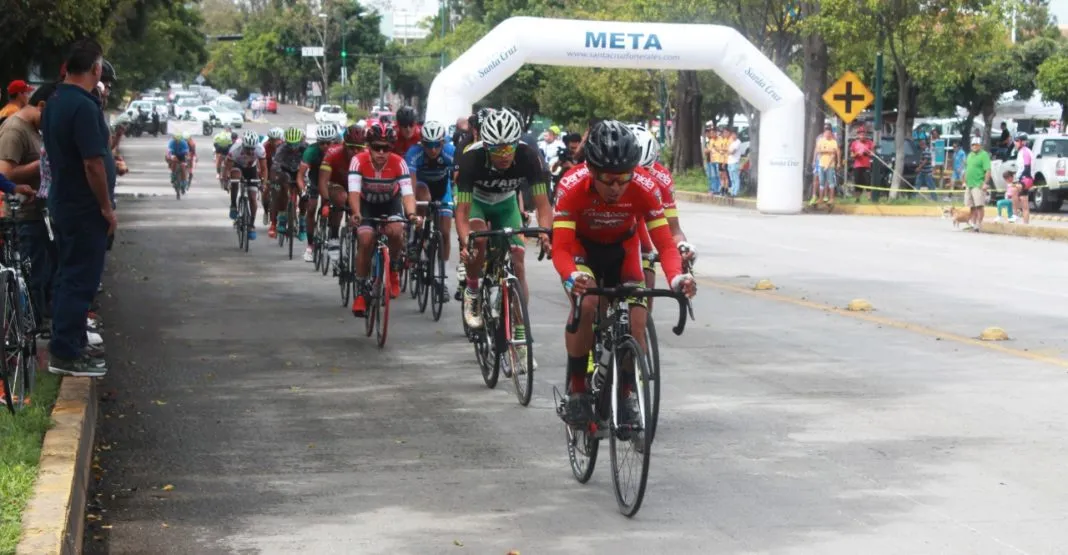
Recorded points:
1052,79
178,50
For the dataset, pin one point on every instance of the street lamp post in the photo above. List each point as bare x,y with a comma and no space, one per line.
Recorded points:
444,16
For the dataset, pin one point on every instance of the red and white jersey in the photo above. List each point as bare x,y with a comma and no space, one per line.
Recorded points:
662,177
378,186
582,214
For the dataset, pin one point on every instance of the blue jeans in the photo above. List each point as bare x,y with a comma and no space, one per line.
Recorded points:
735,177
827,179
925,181
81,240
35,246
713,177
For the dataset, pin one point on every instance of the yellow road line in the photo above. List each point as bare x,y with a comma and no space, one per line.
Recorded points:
899,324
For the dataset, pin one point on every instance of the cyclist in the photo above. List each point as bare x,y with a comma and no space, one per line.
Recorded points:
490,175
177,152
222,140
650,148
431,163
309,166
408,131
379,187
270,145
474,122
333,179
192,162
246,160
286,163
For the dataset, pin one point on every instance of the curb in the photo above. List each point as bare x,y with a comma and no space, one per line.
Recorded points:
1024,230
705,198
304,108
53,522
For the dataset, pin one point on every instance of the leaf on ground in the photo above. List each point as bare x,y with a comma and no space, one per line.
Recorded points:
168,487
311,446
91,516
164,525
335,370
159,402
288,364
458,543
295,388
107,527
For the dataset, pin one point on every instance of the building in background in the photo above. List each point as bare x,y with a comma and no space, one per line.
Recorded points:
402,19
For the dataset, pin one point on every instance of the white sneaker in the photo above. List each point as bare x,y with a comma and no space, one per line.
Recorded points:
461,273
333,249
309,256
471,310
997,219
1012,220
94,338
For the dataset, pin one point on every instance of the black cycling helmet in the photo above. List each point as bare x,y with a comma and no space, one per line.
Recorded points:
355,135
612,147
406,116
481,116
376,132
1021,136
107,72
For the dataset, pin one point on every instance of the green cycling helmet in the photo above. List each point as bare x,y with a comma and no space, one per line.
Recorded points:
294,135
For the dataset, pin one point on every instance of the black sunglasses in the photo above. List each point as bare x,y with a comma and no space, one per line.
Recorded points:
380,148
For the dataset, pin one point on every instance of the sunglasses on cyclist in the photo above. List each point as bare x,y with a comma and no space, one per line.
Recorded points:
433,144
380,147
613,178
500,151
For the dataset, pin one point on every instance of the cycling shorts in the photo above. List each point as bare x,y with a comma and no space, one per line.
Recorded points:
612,264
499,216
220,149
178,157
394,210
248,174
440,191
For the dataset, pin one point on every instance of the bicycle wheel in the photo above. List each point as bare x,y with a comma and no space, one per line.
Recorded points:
436,281
514,314
484,341
582,446
291,225
345,277
652,354
247,219
323,253
423,276
14,366
241,226
375,293
382,322
630,443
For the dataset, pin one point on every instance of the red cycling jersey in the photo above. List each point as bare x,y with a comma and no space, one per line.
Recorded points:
377,186
666,183
402,145
336,161
269,147
582,216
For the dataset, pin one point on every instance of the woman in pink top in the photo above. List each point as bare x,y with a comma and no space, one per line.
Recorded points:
1023,177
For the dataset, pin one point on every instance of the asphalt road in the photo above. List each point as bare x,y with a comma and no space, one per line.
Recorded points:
786,427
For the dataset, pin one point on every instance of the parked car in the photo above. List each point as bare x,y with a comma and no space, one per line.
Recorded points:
887,152
184,107
331,113
272,105
224,104
1049,168
205,113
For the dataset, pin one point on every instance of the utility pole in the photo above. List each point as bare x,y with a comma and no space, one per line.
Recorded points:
344,65
326,76
444,16
878,131
381,82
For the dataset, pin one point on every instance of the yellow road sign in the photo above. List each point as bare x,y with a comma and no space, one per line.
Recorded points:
848,97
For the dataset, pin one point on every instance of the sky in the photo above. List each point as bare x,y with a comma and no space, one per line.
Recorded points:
1059,9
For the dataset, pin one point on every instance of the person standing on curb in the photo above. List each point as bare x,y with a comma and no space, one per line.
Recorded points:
976,174
826,158
861,149
734,159
710,160
76,140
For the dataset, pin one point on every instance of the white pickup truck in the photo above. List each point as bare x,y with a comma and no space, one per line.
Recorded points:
1049,168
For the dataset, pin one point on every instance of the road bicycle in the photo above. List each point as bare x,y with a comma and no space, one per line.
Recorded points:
427,275
291,217
345,267
616,351
378,295
243,223
18,364
181,186
320,239
505,319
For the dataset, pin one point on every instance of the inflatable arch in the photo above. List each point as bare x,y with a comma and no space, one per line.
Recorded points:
568,42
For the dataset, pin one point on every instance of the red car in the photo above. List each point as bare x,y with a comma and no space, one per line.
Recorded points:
272,105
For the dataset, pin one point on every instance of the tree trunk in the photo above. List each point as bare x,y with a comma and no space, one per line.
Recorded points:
815,82
901,131
988,122
754,142
687,144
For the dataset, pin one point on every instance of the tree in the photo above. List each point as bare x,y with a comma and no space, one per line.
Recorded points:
1052,81
177,51
924,41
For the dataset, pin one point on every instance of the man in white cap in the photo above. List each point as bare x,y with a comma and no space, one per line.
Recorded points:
551,145
976,175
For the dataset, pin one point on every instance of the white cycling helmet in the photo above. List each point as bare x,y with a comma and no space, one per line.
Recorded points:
433,132
275,133
325,132
361,123
250,139
501,127
648,143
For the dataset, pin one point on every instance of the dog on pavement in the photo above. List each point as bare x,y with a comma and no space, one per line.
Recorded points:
958,215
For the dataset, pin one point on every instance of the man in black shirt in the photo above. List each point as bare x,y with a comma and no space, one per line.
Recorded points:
76,140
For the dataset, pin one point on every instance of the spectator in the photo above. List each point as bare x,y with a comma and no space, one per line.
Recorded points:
462,130
720,145
551,145
959,157
710,165
18,93
976,174
20,160
1012,191
76,140
861,150
734,159
924,175
826,159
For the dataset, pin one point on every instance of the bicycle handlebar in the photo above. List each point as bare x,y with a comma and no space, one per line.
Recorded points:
508,232
635,291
